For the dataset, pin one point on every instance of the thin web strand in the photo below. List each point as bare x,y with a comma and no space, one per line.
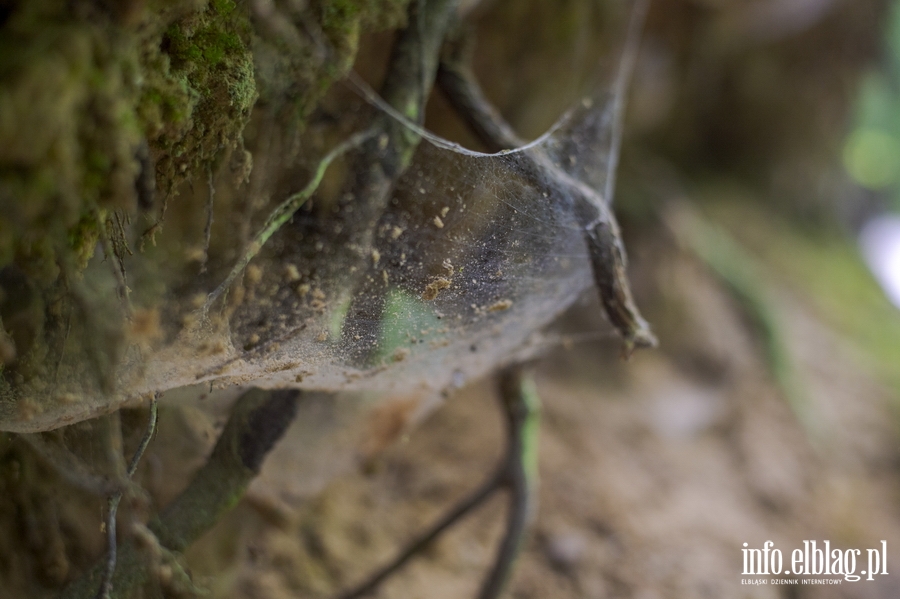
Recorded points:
371,96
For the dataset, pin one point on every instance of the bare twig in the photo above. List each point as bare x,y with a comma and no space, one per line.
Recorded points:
517,473
521,405
456,78
257,421
285,211
106,585
465,506
207,230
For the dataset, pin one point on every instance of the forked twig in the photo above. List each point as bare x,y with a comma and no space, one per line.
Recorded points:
522,408
517,473
466,505
257,421
106,585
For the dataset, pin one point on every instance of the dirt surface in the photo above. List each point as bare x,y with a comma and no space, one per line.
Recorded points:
654,473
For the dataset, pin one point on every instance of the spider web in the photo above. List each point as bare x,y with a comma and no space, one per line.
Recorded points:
472,256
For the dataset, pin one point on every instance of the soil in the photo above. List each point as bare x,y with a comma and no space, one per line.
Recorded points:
654,474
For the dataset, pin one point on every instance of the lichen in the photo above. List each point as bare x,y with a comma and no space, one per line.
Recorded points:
80,90
295,76
342,21
82,87
202,91
86,89
66,132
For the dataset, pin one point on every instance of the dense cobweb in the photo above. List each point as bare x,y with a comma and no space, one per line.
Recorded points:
471,256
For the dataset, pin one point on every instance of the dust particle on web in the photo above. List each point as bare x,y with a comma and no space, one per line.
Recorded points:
435,287
254,274
291,365
318,302
444,211
291,273
252,341
384,276
400,354
500,306
303,289
323,336
28,409
376,256
438,222
144,327
396,232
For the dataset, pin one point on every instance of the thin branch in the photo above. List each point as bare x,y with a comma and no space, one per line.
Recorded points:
517,473
407,86
522,409
106,585
457,80
592,210
257,421
207,230
465,506
112,547
285,211
148,435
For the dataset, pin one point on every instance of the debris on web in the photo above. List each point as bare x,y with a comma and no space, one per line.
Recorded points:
471,255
